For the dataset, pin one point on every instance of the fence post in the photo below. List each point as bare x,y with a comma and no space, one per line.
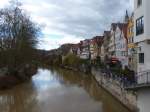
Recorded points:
147,77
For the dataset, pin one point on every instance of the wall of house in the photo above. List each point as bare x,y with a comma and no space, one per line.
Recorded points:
85,53
143,47
143,100
140,11
121,47
102,52
147,18
106,45
92,51
79,52
130,32
112,44
132,57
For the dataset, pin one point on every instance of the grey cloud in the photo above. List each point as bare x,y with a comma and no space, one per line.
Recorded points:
84,18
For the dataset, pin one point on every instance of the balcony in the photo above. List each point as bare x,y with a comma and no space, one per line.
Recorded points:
142,81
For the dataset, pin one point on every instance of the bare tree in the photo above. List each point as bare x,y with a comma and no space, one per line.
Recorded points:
18,36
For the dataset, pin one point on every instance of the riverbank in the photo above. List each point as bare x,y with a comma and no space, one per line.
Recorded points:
10,78
84,68
8,82
127,98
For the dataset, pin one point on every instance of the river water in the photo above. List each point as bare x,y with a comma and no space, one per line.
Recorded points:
58,90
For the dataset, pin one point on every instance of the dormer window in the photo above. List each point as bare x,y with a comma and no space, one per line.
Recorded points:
139,3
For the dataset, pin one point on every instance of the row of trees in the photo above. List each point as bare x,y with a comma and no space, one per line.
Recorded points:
18,36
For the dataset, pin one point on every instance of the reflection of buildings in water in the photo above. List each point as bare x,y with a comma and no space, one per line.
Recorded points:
93,89
26,96
109,103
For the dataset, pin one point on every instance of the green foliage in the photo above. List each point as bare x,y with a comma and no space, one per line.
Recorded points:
57,60
126,72
73,60
101,65
117,71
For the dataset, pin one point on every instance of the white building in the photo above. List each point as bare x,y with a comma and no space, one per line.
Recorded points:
121,43
112,47
102,53
92,49
85,46
142,33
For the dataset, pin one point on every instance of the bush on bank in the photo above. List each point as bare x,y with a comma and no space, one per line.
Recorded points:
74,61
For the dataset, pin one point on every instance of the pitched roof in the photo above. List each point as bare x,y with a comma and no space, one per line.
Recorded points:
107,34
114,26
123,27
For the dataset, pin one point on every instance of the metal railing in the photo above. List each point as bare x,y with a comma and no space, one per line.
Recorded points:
143,77
138,79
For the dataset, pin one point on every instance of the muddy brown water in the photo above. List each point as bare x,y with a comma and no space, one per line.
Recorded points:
59,90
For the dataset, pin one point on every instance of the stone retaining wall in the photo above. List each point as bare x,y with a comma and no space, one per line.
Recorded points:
114,87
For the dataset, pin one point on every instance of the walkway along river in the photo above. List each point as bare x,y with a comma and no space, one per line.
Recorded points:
58,90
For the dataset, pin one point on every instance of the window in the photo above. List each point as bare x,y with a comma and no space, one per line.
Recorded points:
132,40
140,25
139,3
131,29
141,57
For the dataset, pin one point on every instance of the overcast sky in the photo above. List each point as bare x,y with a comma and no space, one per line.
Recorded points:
69,21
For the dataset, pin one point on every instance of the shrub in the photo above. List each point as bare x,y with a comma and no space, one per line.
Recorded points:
72,60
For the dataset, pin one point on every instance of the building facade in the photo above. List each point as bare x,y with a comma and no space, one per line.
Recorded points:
85,49
111,45
102,52
93,49
132,57
105,47
121,43
142,33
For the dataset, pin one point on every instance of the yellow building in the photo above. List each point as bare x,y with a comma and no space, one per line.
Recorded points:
131,45
130,33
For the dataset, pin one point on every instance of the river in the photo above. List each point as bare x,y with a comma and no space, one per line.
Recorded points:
58,90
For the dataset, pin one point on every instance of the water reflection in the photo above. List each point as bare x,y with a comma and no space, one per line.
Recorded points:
57,90
45,81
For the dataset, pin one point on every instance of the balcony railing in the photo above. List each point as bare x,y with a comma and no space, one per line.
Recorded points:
142,79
